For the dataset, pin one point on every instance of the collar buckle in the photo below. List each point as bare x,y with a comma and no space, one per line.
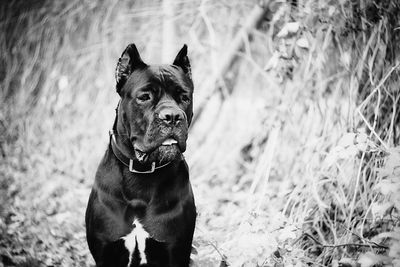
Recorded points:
132,169
128,161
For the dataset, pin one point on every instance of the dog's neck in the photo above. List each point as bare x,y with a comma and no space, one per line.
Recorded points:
162,183
122,137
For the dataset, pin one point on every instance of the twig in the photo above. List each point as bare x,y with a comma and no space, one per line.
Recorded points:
344,244
365,240
353,202
378,86
211,33
226,61
223,257
392,121
355,245
372,130
266,170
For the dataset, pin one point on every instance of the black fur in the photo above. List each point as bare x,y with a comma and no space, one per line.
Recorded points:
162,201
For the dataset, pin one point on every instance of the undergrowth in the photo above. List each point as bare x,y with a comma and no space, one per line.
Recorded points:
295,159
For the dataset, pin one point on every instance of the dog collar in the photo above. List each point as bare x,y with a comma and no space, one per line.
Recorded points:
128,162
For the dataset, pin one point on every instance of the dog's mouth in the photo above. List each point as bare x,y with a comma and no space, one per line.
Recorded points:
166,151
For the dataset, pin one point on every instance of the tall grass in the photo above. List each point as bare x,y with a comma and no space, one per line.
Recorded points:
294,160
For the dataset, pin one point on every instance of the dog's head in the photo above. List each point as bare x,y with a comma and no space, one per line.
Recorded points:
155,110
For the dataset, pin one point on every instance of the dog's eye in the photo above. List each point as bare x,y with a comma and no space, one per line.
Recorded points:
185,98
144,97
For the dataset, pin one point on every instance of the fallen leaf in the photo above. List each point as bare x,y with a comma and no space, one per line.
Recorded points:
347,140
286,233
303,43
272,62
370,259
347,262
379,210
289,28
387,186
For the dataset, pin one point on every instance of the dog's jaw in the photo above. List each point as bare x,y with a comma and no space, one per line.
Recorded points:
161,154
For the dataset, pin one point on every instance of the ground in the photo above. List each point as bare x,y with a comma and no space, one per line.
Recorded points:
294,160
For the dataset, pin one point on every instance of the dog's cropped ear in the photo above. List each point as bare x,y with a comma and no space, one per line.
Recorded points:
182,61
128,62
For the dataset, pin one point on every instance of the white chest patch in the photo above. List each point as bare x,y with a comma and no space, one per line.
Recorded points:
136,238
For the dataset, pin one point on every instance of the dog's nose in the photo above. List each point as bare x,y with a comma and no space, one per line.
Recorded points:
170,115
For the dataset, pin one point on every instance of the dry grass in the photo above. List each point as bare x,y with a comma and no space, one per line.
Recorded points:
294,161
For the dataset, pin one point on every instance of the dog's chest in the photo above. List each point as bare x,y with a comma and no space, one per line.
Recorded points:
135,243
158,217
143,248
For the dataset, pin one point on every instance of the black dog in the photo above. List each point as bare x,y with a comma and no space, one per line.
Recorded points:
141,210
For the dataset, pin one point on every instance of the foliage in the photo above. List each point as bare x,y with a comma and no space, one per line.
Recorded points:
295,160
